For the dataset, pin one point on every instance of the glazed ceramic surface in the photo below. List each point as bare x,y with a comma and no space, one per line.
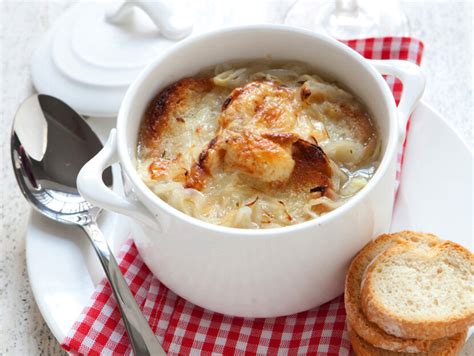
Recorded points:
244,272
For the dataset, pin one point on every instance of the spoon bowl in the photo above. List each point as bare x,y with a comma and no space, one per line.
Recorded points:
50,143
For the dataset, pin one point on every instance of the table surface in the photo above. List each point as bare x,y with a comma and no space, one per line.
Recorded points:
446,27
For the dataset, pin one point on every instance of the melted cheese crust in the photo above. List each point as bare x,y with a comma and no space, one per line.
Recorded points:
265,145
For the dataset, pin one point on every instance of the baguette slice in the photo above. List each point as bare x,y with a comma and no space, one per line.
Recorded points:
422,294
449,346
370,332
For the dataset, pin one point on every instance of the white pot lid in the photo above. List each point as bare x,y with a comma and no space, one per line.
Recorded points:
96,49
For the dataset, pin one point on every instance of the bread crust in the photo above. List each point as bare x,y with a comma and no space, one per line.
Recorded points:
161,109
449,346
402,326
367,330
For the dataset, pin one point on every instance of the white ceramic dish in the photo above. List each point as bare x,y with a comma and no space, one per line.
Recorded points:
97,48
252,272
61,293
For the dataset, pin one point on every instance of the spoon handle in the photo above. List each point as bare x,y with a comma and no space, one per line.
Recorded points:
142,338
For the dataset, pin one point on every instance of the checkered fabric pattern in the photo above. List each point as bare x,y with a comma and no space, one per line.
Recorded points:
186,329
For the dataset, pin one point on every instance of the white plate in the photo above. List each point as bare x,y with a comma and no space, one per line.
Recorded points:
435,196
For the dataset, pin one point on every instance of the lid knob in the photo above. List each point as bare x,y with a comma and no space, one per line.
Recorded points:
172,26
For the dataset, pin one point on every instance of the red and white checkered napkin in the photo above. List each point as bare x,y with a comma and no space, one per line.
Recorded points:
186,329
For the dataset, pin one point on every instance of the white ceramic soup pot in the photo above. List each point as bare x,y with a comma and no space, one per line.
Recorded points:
252,272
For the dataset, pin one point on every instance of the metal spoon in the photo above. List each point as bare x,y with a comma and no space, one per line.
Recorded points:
50,143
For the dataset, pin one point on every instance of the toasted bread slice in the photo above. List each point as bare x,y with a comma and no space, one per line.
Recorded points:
420,293
449,346
367,330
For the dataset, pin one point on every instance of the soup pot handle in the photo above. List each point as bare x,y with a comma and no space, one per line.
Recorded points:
413,81
92,187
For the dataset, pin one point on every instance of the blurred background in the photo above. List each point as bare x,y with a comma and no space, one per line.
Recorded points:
445,27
